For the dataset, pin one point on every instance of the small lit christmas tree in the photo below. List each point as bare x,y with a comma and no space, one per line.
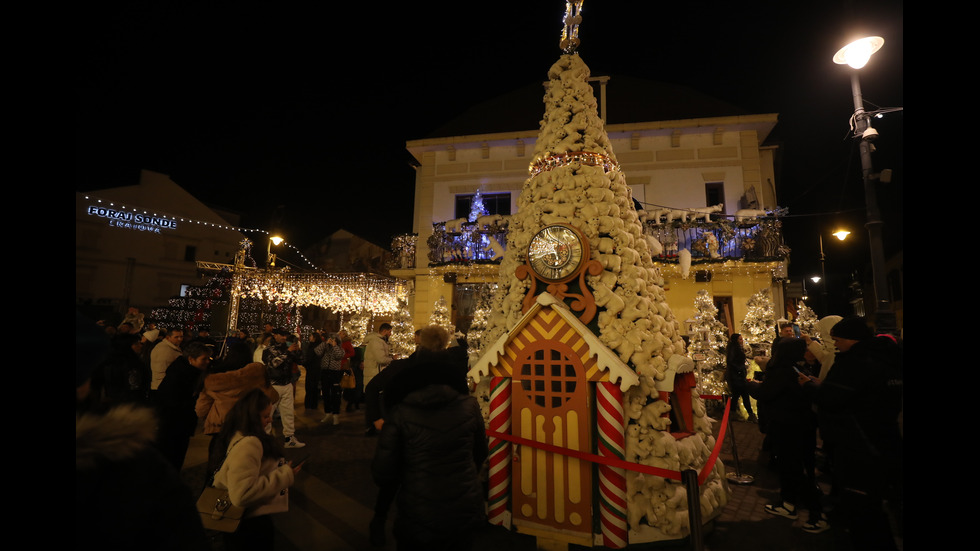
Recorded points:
402,339
477,208
708,340
759,325
357,327
474,336
806,318
440,316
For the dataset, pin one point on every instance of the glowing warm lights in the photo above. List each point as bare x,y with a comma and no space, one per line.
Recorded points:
857,53
841,234
563,159
335,292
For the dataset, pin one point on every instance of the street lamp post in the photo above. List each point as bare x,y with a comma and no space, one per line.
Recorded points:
856,54
839,234
270,259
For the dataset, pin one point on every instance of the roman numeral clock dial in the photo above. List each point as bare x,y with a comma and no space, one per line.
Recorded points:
555,252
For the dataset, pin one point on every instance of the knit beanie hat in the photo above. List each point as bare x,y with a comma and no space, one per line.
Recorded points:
853,328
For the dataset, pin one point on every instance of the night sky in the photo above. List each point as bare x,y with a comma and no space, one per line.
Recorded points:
297,117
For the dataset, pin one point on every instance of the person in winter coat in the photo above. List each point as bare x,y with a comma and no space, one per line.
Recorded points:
224,385
432,446
311,361
176,400
377,354
127,496
858,405
736,371
792,430
254,471
331,355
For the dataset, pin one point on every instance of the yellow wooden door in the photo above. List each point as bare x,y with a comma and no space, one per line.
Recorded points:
552,493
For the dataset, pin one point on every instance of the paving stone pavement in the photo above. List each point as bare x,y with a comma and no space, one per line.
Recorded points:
332,501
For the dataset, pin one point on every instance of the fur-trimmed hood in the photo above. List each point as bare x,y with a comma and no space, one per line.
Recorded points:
117,435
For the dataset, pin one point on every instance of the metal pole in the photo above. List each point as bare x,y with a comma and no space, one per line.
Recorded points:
823,275
884,317
690,479
737,477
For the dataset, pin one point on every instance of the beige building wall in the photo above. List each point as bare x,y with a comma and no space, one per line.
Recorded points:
117,266
666,163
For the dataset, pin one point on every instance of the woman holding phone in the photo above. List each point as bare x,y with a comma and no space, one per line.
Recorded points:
255,471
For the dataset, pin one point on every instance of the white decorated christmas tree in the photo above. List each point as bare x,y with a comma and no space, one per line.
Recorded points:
806,318
575,179
477,208
440,316
708,342
357,327
759,324
402,339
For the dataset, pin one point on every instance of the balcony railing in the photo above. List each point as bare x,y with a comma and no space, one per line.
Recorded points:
757,240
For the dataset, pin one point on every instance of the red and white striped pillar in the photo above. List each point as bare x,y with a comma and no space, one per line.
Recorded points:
611,421
499,493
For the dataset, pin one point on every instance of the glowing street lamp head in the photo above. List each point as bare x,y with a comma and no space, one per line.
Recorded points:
815,279
276,240
857,53
841,234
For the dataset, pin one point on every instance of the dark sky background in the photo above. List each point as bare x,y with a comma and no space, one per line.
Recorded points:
302,114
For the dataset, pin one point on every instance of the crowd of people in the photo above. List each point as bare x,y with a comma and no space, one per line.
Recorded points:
419,407
143,391
846,396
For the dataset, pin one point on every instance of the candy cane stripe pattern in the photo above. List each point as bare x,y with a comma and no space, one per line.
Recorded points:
611,422
499,492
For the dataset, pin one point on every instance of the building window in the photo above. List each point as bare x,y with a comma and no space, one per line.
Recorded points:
714,194
494,203
190,253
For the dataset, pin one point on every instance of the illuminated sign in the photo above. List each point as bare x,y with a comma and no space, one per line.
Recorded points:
133,220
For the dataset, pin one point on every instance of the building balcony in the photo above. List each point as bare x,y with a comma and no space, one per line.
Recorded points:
715,241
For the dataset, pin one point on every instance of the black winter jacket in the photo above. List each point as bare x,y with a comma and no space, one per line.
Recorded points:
433,446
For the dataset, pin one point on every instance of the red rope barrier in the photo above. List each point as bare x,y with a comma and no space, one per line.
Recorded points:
619,463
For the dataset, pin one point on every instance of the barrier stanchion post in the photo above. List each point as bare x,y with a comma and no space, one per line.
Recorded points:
690,479
736,477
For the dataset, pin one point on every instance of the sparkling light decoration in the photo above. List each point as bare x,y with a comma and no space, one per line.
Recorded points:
345,293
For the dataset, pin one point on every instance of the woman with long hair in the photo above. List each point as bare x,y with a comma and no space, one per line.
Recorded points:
254,471
736,372
227,380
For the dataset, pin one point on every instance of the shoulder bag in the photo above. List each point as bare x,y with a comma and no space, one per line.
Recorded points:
215,507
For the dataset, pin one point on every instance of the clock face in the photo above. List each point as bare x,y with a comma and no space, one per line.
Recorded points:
555,252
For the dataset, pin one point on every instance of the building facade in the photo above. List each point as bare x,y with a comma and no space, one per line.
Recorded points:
674,165
137,246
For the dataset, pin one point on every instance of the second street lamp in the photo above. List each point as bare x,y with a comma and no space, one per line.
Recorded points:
856,54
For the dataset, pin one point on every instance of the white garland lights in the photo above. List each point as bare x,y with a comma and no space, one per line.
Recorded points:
344,293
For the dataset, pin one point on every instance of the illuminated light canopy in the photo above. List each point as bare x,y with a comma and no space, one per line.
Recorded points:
857,53
336,292
557,160
841,234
